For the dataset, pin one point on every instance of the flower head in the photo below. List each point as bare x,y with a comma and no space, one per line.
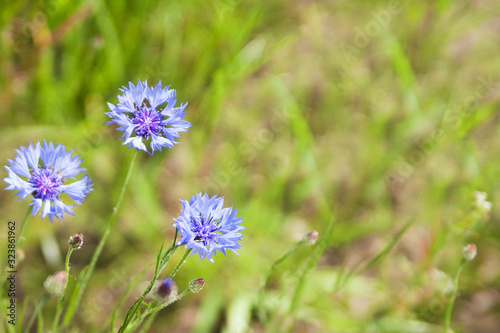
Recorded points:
147,113
196,285
76,241
311,237
43,172
469,251
54,284
206,227
166,288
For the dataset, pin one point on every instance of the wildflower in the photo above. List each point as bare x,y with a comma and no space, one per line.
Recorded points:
55,283
311,237
206,227
196,285
76,241
469,251
43,172
145,113
167,288
482,206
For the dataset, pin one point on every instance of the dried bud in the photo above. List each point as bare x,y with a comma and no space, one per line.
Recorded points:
76,241
55,283
167,288
470,251
311,237
196,285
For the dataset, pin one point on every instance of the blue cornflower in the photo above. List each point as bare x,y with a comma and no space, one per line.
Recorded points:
149,113
166,288
206,227
45,180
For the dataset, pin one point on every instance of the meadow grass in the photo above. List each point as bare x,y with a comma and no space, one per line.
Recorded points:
372,122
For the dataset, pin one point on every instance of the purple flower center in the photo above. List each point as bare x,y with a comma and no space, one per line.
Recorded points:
148,120
46,183
206,230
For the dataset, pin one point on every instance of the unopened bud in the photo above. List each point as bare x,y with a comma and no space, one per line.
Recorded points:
55,283
196,285
76,241
167,288
311,237
470,251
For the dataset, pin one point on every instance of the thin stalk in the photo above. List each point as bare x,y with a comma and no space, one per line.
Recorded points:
61,298
20,239
137,322
268,276
80,288
38,307
449,308
149,322
180,263
376,259
279,261
312,261
160,265
154,311
164,305
125,294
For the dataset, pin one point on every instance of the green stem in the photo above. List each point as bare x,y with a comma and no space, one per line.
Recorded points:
160,265
20,239
80,289
312,261
279,261
449,308
180,263
38,307
268,276
344,279
164,305
125,294
154,311
61,298
148,323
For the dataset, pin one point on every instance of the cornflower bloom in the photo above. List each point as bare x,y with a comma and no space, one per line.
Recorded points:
146,113
206,227
43,172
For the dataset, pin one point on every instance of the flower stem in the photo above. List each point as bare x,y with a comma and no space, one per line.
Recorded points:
80,288
20,239
38,307
180,263
268,276
449,308
126,293
164,305
161,262
61,298
152,312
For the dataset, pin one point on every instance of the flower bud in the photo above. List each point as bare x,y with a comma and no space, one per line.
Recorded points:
76,241
196,285
167,288
55,283
470,251
311,237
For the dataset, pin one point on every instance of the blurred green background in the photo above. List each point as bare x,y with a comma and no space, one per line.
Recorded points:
351,116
